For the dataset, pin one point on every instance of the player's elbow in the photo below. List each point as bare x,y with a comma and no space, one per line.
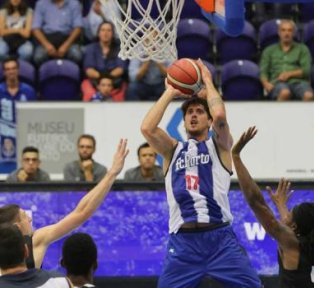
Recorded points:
146,130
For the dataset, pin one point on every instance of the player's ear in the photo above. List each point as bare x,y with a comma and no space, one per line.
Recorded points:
62,262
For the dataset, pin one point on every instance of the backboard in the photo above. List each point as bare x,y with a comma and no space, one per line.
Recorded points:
228,15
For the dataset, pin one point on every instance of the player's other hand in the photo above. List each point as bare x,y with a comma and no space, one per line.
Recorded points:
244,139
175,93
206,75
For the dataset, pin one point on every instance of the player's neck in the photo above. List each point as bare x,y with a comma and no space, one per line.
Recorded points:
80,280
199,138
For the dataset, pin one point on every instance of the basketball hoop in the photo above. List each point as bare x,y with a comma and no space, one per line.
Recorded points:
149,37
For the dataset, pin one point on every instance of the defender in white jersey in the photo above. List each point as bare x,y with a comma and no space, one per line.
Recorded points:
202,242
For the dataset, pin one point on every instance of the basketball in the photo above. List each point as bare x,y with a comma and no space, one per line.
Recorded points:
185,75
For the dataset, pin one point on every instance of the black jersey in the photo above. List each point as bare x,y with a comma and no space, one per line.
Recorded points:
299,278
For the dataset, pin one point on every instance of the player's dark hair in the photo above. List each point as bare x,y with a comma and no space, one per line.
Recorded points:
12,246
195,101
79,254
9,213
303,216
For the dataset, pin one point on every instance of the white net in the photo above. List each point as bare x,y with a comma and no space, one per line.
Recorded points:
148,31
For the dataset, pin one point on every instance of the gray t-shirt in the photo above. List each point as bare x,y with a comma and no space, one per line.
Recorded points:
73,172
40,176
134,174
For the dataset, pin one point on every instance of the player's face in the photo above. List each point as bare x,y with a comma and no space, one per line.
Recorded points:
24,223
147,158
105,33
11,70
86,149
30,162
105,87
196,121
286,32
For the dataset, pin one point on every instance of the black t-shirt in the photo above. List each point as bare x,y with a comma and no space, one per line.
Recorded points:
299,278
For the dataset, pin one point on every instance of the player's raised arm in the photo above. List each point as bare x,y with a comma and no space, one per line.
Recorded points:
84,210
282,233
216,109
155,136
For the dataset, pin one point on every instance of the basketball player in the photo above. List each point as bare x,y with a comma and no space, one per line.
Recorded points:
39,240
197,176
294,235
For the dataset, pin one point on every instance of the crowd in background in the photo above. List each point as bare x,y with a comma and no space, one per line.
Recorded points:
83,33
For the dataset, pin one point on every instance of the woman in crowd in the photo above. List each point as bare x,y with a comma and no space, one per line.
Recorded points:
15,30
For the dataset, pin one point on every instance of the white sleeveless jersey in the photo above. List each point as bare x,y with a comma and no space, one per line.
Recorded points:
197,185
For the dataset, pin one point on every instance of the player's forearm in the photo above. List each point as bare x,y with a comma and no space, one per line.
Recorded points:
155,114
215,102
92,200
248,186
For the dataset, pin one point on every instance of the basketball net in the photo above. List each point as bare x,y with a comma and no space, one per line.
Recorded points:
149,37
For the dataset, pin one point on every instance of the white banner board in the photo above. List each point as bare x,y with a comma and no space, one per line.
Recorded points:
283,147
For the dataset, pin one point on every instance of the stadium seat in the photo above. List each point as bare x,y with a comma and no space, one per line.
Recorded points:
195,39
308,36
306,12
268,33
59,80
27,73
243,46
191,10
240,81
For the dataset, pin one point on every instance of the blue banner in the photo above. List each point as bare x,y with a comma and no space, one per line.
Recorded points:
131,230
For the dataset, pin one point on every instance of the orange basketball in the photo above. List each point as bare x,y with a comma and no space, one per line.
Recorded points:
185,75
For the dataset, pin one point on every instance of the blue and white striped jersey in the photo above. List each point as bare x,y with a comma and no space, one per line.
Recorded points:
197,185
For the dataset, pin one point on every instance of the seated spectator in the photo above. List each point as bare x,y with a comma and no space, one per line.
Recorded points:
15,30
146,80
13,254
102,57
147,170
12,89
79,258
30,171
86,168
286,67
99,12
57,27
104,89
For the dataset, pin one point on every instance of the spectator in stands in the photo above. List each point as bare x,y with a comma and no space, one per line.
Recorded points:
286,67
99,12
104,89
147,170
12,89
146,79
15,30
57,27
30,170
39,240
79,258
13,254
102,57
86,168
